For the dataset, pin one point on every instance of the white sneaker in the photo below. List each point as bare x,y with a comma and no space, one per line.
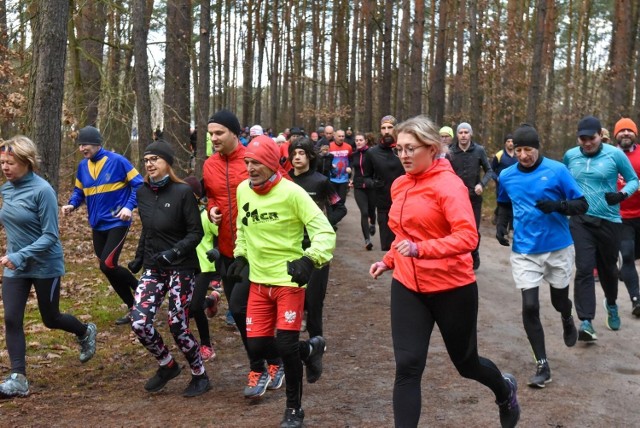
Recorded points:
14,385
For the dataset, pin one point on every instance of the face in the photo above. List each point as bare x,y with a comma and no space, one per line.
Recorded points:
348,132
340,137
527,156
258,173
328,133
314,136
626,138
294,138
386,129
464,137
88,150
324,150
156,167
445,139
300,160
508,144
12,168
590,144
222,139
415,156
360,141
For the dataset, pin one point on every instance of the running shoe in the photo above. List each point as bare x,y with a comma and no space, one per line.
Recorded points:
510,409
635,307
372,229
88,343
207,352
14,385
199,385
368,245
613,320
257,384
229,319
586,333
163,375
293,418
211,304
125,319
314,360
542,376
276,371
569,332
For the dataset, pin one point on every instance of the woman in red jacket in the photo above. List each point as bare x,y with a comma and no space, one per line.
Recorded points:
433,279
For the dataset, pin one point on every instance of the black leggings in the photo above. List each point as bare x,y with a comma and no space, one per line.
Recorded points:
531,316
630,250
365,198
15,292
413,316
107,245
196,307
314,300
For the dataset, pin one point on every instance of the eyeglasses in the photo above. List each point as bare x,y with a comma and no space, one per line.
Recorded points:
408,150
151,160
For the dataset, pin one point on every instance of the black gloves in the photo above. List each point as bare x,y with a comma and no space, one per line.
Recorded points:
213,255
548,206
235,269
614,198
135,265
501,234
166,258
300,270
505,217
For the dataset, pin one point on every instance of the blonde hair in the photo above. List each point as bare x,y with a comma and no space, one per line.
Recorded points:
23,150
172,176
423,129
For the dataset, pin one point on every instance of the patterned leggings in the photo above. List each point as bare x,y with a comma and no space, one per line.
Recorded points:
152,288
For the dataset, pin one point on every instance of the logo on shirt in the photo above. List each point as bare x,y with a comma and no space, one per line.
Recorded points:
290,317
256,216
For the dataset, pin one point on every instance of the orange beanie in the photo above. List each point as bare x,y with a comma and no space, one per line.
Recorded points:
625,123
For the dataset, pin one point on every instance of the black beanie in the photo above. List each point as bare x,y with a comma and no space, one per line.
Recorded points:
195,184
228,119
161,148
526,136
89,136
305,144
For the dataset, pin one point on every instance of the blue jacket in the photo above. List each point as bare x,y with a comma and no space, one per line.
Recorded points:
29,214
107,183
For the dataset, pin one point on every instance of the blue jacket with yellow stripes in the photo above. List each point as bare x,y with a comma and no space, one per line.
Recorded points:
107,183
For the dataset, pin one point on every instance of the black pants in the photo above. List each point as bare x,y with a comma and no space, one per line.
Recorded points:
630,250
336,212
237,294
15,292
531,316
597,245
413,316
476,204
314,300
386,235
107,245
196,308
366,200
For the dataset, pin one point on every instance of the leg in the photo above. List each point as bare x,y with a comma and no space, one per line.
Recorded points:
314,300
48,294
531,322
386,235
108,245
476,204
607,249
361,199
15,292
628,271
411,327
196,307
584,285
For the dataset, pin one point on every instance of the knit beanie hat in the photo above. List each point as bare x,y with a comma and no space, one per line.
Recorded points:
305,144
89,136
256,130
464,125
625,123
390,119
196,186
446,130
264,150
227,119
526,136
162,149
508,137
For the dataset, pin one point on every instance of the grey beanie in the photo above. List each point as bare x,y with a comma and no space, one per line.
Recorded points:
464,125
89,136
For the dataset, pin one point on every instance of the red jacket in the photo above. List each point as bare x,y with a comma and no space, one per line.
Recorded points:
630,207
433,210
222,174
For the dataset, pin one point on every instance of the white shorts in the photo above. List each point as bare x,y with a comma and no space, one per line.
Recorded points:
555,267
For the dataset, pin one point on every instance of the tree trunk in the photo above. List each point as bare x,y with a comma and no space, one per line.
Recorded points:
261,34
204,91
274,75
404,64
47,90
247,66
536,63
622,48
353,64
384,93
438,72
141,71
368,11
476,94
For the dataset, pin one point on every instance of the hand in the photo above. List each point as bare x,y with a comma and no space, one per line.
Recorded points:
124,214
614,198
135,265
66,209
215,215
501,235
548,206
4,261
213,254
377,269
300,270
235,269
166,258
407,248
478,189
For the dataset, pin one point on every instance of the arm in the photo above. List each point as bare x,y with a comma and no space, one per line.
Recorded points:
488,171
191,216
135,181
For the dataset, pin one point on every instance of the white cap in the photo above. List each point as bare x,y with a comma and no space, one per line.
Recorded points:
256,130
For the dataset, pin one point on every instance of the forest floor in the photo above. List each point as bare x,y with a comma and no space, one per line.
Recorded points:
596,385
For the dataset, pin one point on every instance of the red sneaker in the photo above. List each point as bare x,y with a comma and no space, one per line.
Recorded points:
211,304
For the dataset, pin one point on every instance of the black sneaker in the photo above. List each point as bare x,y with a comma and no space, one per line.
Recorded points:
372,229
314,361
292,418
162,376
569,331
542,376
126,319
635,307
510,409
368,245
199,385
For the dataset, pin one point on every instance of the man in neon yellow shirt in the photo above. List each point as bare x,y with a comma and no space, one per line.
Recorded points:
272,216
